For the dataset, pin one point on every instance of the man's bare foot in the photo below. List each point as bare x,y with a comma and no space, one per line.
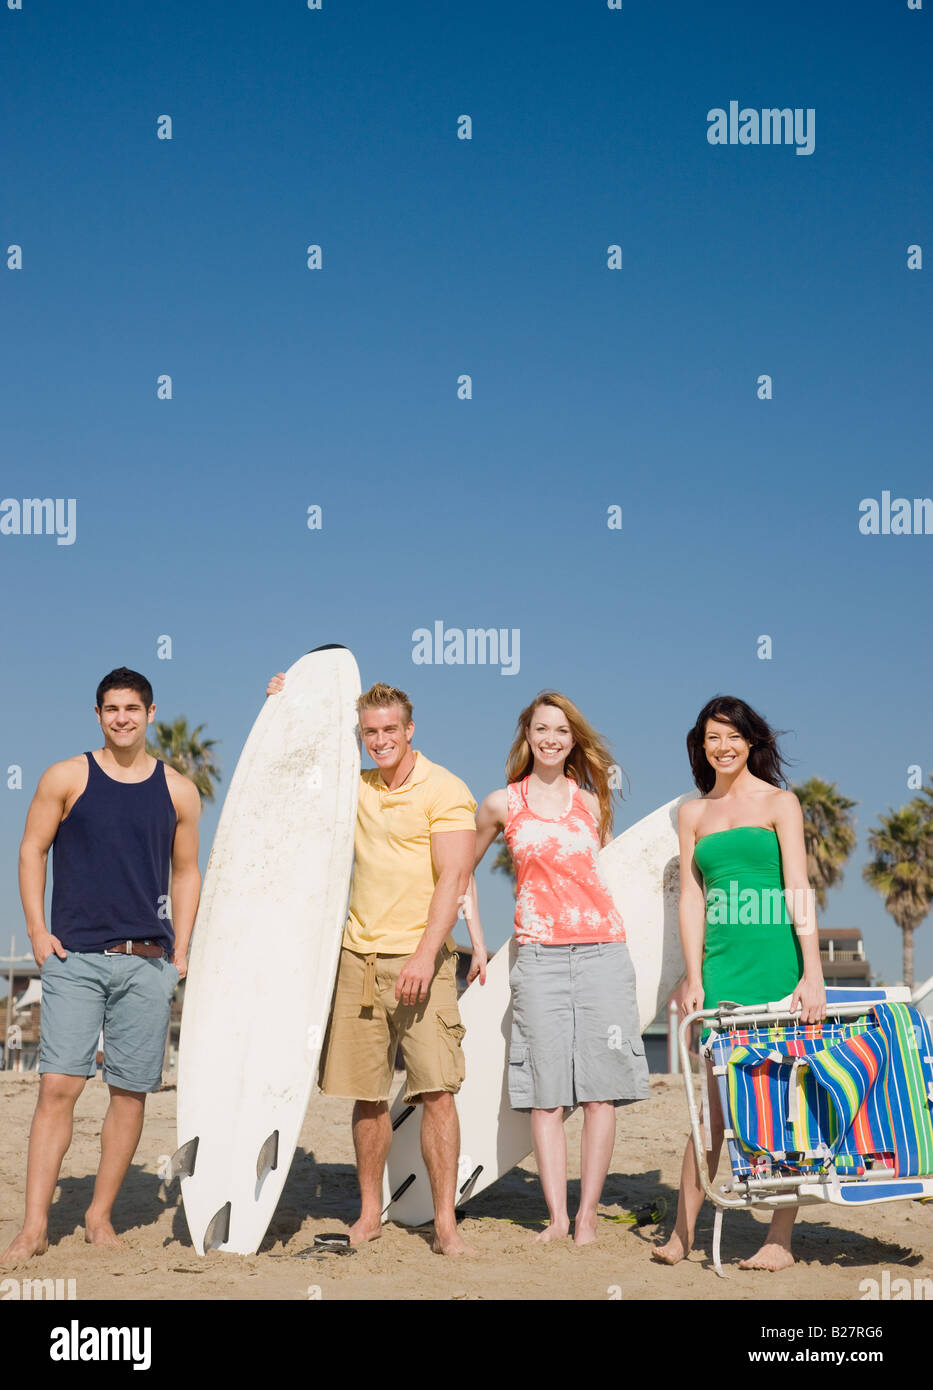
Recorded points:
584,1230
98,1232
361,1231
451,1243
771,1257
671,1253
555,1231
23,1248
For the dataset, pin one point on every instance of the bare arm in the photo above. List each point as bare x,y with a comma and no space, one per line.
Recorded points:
470,906
490,821
43,818
692,910
186,876
592,802
452,853
810,993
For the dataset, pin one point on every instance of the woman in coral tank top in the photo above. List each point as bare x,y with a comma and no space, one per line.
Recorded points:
575,1034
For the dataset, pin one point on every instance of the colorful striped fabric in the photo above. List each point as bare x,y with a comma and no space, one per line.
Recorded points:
847,1072
834,1094
762,1086
759,1069
908,1086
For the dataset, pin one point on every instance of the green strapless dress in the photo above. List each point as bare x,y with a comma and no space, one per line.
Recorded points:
751,953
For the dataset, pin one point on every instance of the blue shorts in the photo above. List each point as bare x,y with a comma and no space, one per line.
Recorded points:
129,997
575,1034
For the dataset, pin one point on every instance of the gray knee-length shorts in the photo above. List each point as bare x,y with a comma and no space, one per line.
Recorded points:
575,1033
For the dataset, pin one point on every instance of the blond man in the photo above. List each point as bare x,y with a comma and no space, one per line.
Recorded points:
396,981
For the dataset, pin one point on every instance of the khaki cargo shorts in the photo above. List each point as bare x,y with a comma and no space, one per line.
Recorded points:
368,1025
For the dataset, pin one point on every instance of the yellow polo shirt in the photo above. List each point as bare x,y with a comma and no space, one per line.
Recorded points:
393,873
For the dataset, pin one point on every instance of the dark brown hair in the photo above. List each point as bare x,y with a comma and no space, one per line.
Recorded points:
764,759
124,679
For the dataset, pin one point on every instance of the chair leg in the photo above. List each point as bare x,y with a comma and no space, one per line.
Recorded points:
717,1238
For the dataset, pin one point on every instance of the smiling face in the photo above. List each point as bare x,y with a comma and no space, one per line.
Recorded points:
726,750
124,719
549,736
386,737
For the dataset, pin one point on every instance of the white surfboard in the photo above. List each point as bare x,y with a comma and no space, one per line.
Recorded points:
264,953
642,870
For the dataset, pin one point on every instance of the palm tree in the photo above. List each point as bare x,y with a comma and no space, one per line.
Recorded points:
924,800
902,870
828,833
503,861
187,753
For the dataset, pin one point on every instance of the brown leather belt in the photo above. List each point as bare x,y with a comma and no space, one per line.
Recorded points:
135,948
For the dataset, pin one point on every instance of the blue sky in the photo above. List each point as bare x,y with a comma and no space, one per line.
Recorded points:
591,388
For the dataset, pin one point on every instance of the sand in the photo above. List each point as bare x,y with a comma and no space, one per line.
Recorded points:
836,1249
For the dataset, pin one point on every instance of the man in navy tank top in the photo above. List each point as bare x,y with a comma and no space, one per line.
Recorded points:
119,821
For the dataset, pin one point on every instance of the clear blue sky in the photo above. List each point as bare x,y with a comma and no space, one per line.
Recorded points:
591,387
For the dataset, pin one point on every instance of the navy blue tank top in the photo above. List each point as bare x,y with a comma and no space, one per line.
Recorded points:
111,862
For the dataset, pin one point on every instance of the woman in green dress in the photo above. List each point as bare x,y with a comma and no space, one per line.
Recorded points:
744,832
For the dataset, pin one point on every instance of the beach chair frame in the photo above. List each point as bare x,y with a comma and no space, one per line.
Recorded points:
773,1190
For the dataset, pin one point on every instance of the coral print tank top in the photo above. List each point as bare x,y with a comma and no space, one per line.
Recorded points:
561,899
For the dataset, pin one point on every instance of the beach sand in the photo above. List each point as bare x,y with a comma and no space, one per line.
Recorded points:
836,1249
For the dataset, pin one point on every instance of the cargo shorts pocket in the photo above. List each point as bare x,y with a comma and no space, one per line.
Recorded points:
520,1087
450,1045
634,1069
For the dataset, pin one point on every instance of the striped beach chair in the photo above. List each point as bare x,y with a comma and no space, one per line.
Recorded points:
840,1111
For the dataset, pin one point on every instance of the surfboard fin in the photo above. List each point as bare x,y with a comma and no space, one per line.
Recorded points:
403,1187
409,1110
471,1179
268,1159
184,1159
218,1230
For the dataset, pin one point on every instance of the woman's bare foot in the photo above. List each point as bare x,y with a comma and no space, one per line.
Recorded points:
672,1252
361,1231
771,1256
23,1248
584,1230
555,1230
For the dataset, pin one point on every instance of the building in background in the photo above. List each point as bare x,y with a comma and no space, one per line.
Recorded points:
842,953
20,995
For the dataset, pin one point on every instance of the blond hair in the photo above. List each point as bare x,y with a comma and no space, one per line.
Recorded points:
588,762
381,696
